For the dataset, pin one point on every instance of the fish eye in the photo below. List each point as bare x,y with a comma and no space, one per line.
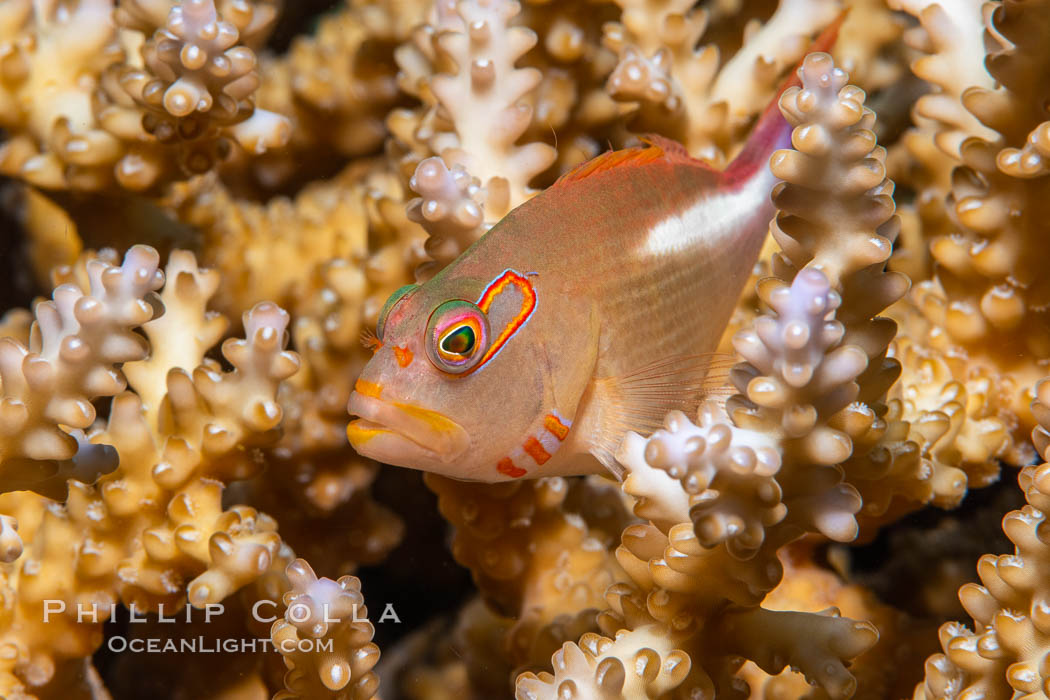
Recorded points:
457,334
460,341
399,294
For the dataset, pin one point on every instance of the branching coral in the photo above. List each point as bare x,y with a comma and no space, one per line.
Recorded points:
1005,653
815,380
78,340
154,98
464,68
950,36
323,609
986,305
531,559
487,84
195,80
336,86
153,532
682,92
672,623
838,159
53,55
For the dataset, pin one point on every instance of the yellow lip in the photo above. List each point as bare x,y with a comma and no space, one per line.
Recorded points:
359,432
401,433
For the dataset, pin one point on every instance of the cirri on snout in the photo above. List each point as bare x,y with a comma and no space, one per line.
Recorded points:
588,311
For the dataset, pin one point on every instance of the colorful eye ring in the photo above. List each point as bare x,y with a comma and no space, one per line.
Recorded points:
392,301
457,335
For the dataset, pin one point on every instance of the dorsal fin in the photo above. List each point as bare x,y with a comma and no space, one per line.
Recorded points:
656,147
674,151
625,157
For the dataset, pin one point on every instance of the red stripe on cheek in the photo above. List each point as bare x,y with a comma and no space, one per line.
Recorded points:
535,450
555,426
507,467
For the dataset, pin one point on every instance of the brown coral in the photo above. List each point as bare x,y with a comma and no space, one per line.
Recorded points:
682,91
986,301
195,80
1005,653
152,532
531,559
77,342
318,611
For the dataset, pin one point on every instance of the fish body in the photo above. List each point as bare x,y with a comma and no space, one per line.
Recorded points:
590,310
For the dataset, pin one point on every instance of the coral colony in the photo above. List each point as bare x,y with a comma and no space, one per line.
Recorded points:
214,219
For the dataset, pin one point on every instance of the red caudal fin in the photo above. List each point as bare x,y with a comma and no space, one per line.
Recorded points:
772,131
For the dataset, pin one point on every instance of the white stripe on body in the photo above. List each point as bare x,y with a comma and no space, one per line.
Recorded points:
715,218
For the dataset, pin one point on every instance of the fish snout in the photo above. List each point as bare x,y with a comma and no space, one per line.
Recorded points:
401,433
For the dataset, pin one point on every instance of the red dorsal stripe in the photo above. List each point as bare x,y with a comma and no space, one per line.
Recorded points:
674,152
609,160
656,148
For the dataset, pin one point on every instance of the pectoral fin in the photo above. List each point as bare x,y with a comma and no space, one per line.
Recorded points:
639,401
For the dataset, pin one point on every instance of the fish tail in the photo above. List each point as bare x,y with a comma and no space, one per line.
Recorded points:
772,132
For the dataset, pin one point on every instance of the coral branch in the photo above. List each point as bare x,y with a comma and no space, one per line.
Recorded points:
10,543
771,639
323,610
478,105
1004,654
137,104
680,89
483,98
985,303
153,532
450,208
636,664
78,342
545,565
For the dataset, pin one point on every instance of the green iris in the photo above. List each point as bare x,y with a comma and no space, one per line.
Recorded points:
460,341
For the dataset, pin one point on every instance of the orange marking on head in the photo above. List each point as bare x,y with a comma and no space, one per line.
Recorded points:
534,449
506,466
528,305
403,355
555,427
368,388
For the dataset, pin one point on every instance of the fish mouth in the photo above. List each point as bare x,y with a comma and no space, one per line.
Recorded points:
402,434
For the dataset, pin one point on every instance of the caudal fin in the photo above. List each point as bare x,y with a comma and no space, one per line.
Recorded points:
772,131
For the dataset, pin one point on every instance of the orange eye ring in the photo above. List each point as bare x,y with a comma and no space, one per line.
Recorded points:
457,335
